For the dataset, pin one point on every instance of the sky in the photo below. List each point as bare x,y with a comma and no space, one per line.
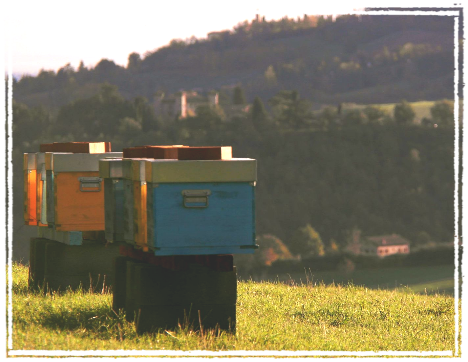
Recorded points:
47,34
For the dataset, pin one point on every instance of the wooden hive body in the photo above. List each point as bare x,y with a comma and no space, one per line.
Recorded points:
30,189
41,195
201,207
78,191
111,171
124,200
134,189
139,203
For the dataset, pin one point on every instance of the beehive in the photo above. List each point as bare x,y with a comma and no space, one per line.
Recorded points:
41,193
30,189
197,207
111,171
50,199
128,209
78,192
134,210
139,203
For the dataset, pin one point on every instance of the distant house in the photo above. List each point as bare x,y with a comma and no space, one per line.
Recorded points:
381,246
182,104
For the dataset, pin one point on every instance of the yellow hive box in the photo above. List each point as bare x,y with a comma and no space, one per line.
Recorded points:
78,191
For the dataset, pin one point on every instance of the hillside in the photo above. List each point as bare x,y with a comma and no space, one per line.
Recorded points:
335,168
270,316
380,178
367,59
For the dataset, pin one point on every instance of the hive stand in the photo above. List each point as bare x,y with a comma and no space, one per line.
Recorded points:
61,258
55,266
165,291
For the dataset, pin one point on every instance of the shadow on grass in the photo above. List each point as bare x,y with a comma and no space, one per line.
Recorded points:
98,323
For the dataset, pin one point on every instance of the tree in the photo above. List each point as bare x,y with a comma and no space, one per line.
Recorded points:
307,242
238,96
134,61
94,115
328,117
403,113
271,249
442,113
81,67
145,114
259,115
129,127
270,75
426,122
374,114
209,116
105,65
353,117
290,109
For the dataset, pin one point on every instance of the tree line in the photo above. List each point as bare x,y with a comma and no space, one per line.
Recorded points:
321,174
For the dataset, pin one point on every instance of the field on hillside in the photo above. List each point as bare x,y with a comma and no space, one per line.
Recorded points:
422,108
270,316
422,279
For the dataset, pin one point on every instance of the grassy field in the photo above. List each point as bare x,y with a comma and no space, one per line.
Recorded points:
421,109
270,316
423,279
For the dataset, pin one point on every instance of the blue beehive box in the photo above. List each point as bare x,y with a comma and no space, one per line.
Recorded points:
201,207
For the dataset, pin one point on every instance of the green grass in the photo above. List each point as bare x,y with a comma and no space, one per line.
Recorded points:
270,316
422,279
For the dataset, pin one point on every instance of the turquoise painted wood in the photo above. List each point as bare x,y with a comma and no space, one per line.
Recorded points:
128,211
114,209
201,218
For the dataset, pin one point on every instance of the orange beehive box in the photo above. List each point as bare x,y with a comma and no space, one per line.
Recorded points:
205,153
78,191
30,189
76,147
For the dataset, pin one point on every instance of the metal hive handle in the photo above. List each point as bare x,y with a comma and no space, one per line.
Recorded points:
192,198
90,184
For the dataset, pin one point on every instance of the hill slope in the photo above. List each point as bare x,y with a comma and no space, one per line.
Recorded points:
368,59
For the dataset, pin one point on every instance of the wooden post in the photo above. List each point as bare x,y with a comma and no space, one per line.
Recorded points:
120,283
36,262
57,266
160,298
